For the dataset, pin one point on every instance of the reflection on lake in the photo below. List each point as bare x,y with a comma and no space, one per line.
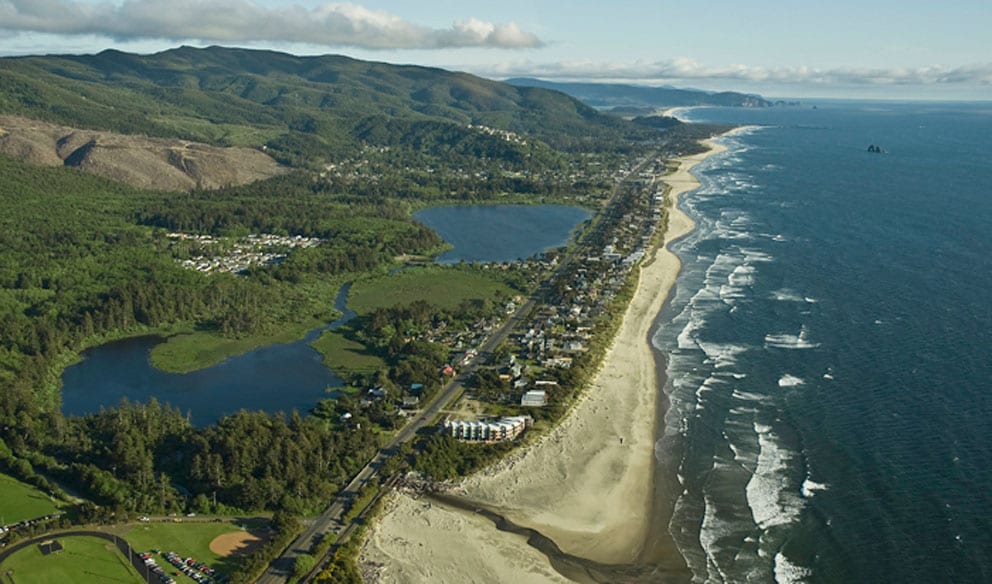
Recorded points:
501,233
274,378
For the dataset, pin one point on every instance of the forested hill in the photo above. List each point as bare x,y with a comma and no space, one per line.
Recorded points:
302,109
618,95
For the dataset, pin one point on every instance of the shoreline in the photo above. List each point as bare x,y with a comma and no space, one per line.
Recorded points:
595,496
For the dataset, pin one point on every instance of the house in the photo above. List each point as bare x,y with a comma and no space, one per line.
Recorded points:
534,398
574,346
378,393
410,401
558,362
448,370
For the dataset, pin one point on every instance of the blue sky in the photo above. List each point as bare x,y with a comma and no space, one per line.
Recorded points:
873,48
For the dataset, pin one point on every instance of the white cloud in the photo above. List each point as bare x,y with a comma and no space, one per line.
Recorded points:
333,24
656,72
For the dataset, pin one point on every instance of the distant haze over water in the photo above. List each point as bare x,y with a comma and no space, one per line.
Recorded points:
829,348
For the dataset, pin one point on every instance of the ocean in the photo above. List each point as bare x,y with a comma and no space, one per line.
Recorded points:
828,348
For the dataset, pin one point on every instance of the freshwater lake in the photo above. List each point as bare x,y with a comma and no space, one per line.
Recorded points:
501,233
289,376
279,377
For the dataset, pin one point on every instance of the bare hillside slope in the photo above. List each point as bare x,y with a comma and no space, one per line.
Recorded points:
156,163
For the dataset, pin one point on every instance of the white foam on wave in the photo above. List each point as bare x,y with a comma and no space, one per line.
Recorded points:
685,339
731,294
711,531
780,238
748,396
721,267
739,218
756,255
787,341
769,495
810,487
708,385
743,411
790,381
787,572
721,355
743,275
786,295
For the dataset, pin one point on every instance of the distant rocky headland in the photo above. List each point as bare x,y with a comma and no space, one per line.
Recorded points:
616,96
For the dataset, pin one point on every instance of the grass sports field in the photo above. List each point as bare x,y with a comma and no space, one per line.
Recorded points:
186,539
19,501
83,560
194,539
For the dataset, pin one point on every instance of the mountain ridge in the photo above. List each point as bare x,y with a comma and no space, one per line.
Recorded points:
304,108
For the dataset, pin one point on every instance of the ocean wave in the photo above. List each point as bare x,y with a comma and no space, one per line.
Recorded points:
787,572
707,385
731,294
711,531
790,381
769,494
787,341
756,255
749,396
786,295
743,411
722,355
743,275
810,487
685,338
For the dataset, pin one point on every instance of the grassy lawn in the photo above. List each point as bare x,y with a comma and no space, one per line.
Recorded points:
442,287
19,501
84,560
344,355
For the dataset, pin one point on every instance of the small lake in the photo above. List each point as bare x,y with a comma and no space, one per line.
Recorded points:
501,233
275,378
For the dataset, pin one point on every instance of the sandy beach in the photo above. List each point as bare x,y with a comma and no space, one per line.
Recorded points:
579,485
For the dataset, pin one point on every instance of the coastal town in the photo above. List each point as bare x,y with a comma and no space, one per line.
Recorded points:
581,289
